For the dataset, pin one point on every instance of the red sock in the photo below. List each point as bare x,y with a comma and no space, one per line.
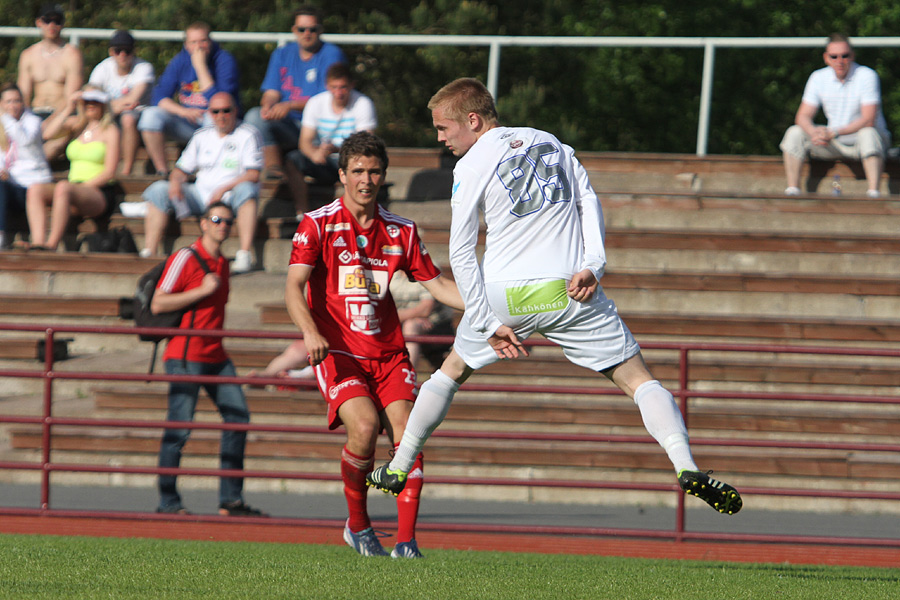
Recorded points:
408,502
353,473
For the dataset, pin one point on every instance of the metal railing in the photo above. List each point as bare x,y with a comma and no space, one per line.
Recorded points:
496,43
684,391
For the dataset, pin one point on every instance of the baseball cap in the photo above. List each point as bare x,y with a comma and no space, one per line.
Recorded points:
95,96
52,10
121,39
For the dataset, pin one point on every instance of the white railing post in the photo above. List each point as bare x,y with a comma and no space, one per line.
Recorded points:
709,60
493,68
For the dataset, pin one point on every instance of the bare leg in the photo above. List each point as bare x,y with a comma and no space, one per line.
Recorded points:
793,166
72,198
130,139
298,186
873,167
272,158
37,198
246,222
155,143
154,225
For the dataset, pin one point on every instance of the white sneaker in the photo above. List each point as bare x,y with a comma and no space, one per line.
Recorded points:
242,262
792,191
145,253
873,194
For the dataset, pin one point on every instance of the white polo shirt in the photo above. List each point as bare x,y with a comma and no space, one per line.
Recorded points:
841,100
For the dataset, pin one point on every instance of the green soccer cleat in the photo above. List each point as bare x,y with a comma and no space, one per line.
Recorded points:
717,494
387,480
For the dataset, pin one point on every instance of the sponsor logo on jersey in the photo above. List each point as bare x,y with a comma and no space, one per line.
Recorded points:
355,280
392,250
339,243
393,231
455,187
362,317
337,227
506,135
346,257
300,238
361,241
334,390
516,144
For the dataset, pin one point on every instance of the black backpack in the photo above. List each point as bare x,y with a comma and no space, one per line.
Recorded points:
144,317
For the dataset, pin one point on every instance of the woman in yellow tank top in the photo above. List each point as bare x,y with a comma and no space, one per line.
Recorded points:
93,155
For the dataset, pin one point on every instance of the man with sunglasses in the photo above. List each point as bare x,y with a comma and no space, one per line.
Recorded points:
296,72
202,289
128,80
50,71
226,160
849,95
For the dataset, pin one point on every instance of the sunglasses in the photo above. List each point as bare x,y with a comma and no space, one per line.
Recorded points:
837,56
52,20
122,50
217,111
306,29
216,219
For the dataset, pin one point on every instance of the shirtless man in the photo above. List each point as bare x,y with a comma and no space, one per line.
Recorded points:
50,71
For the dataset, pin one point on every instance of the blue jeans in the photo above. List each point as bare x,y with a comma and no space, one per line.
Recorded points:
326,174
232,405
154,118
12,197
284,133
157,193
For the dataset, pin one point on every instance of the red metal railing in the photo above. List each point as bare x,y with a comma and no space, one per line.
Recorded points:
684,392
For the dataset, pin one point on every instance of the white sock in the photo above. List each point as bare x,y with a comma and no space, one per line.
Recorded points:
664,422
430,408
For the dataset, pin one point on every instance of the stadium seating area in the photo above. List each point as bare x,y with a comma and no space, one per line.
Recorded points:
700,250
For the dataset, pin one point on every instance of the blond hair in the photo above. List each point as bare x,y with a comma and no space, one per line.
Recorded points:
463,96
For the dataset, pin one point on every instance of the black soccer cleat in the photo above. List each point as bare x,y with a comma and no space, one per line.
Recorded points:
717,494
387,480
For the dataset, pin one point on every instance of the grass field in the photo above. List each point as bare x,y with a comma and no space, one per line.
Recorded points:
47,567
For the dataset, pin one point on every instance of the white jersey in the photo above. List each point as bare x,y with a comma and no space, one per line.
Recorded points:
218,159
106,76
543,218
318,114
24,159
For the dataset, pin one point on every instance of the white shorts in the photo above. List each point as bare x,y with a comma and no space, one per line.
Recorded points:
592,335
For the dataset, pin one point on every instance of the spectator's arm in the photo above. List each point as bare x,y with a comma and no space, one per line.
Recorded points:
24,80
225,76
74,66
250,175
867,115
167,302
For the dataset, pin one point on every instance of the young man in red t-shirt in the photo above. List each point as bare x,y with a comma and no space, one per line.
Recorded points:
344,255
185,283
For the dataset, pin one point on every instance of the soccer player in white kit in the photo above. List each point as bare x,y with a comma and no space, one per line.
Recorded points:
542,263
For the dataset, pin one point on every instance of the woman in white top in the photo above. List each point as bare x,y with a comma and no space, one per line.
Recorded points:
23,167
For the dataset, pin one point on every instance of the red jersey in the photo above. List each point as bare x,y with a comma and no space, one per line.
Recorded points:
183,272
348,291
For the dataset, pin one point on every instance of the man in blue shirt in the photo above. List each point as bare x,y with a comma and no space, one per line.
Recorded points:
296,73
197,73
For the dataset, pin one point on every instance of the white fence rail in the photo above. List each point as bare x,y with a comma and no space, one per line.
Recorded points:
496,43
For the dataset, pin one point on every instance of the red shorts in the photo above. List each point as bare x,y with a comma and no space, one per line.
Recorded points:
383,380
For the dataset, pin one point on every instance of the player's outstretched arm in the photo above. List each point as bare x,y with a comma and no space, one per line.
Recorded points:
506,344
445,291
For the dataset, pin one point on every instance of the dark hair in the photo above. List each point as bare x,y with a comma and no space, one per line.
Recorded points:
9,86
362,143
218,204
339,70
308,10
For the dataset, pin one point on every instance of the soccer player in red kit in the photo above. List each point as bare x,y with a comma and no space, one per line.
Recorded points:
343,257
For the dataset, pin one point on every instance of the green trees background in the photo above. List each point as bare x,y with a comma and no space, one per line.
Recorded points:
614,99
